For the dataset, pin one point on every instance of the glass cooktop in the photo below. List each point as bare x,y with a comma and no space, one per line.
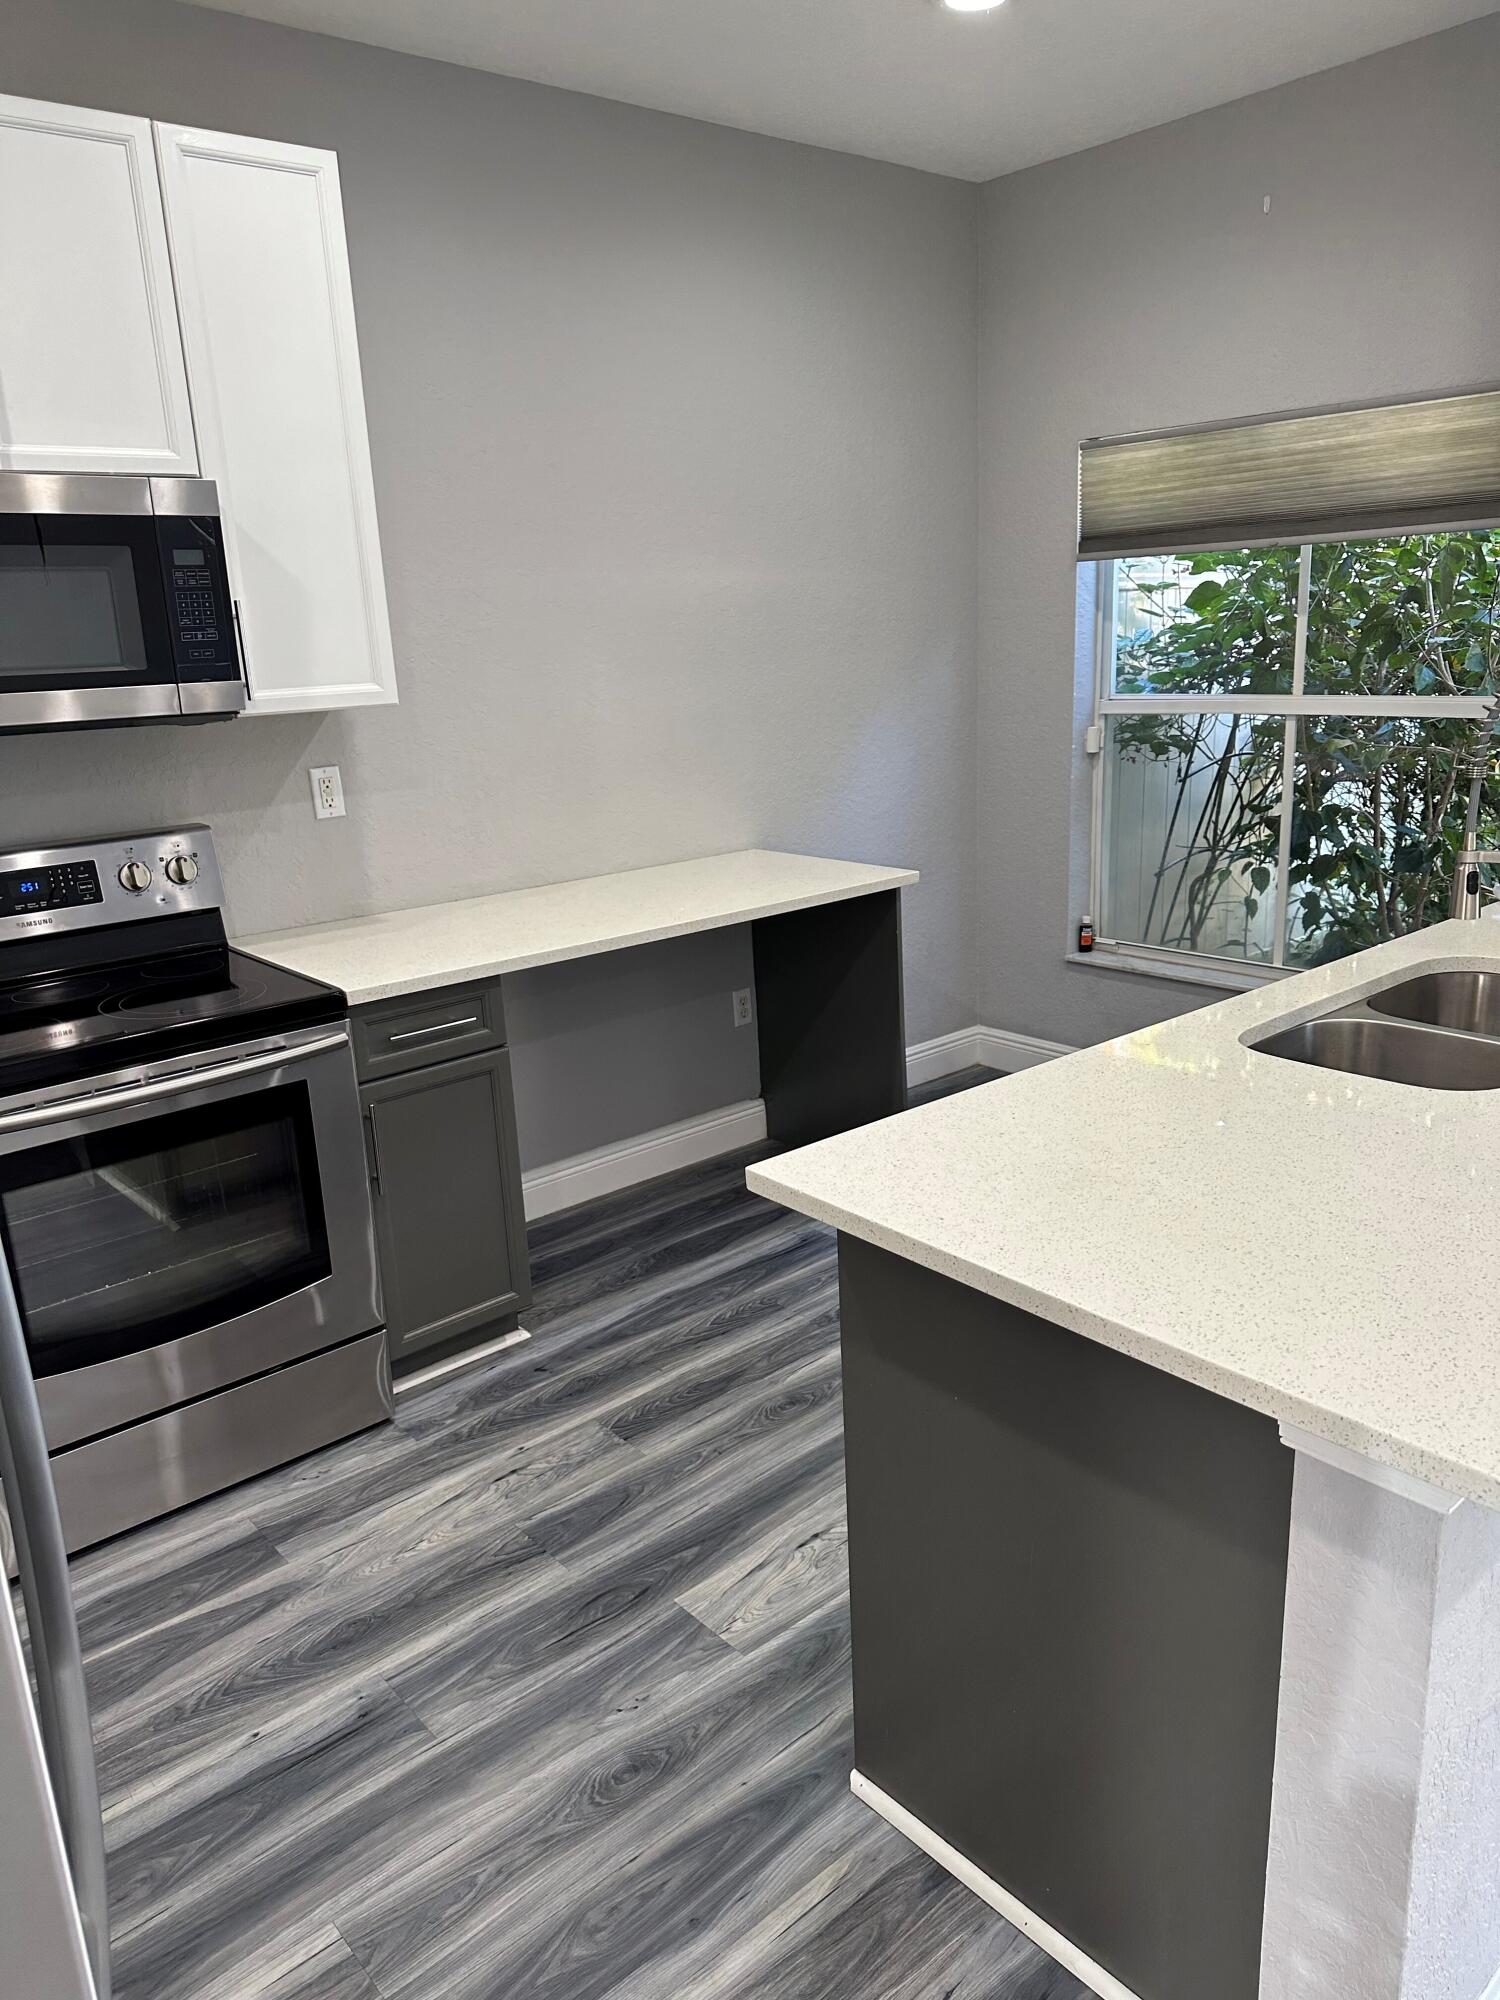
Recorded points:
62,1021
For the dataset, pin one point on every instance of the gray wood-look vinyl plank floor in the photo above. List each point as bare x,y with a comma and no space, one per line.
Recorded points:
541,1692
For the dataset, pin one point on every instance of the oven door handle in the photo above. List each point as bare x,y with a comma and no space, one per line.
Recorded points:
168,1086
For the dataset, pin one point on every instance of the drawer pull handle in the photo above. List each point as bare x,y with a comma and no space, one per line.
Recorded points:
437,1028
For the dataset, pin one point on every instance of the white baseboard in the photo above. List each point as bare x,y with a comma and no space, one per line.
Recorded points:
1003,1048
585,1176
942,1056
607,1169
981,1048
1041,1933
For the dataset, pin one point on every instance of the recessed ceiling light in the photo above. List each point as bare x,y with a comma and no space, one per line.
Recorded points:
972,6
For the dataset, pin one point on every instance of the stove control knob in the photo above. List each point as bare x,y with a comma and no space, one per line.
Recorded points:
135,876
182,869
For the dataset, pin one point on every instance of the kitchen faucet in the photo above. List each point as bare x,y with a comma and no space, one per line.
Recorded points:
1465,900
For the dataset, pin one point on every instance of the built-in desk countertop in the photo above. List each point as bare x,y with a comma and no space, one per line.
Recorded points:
826,938
481,937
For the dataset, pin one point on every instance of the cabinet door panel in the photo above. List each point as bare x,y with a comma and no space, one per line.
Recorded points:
447,1199
268,320
91,366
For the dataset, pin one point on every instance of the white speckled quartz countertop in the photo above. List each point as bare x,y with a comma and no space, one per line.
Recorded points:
1321,1247
410,951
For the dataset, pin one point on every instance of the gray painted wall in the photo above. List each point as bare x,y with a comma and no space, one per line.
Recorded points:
674,442
1140,285
607,1049
674,449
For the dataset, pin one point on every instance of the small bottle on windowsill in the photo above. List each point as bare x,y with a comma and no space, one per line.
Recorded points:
1086,935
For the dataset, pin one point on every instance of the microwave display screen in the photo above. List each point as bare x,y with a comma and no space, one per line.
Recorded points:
69,887
188,558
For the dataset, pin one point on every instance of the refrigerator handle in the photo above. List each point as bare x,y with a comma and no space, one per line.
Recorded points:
52,1625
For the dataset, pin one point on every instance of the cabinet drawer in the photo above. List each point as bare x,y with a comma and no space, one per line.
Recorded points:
393,1036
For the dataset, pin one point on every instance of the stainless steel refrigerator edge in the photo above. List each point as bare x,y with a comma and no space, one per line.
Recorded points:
41,1933
55,1923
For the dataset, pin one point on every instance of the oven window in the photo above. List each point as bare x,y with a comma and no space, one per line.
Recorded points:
162,1227
69,613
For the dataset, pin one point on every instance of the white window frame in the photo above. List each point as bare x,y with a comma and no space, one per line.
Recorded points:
1158,958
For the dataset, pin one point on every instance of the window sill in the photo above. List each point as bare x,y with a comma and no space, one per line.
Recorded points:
1218,979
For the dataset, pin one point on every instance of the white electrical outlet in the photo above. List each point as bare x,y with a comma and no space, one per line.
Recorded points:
327,791
744,1006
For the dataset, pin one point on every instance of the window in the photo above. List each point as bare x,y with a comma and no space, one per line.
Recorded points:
1288,742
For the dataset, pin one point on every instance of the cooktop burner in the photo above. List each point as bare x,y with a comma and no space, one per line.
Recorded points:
114,953
62,995
191,1003
189,990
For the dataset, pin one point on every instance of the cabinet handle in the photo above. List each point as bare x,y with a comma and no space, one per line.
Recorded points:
437,1028
374,1148
239,633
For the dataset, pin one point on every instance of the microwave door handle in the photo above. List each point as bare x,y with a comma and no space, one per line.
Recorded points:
52,1623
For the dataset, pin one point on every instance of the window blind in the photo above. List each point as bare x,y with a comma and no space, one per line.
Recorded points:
1309,476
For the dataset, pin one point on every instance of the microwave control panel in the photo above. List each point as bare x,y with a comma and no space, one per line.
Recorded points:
198,610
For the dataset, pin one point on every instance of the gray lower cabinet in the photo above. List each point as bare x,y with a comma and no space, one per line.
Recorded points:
446,1184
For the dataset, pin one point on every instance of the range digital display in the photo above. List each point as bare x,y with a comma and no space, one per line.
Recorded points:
69,887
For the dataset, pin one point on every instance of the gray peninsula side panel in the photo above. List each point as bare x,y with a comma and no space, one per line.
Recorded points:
1068,1578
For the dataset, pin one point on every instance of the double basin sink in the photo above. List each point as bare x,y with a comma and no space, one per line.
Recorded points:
1439,1031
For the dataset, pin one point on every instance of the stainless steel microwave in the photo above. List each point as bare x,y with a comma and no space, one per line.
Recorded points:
114,602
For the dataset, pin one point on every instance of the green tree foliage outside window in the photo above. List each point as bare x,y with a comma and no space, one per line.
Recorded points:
1379,802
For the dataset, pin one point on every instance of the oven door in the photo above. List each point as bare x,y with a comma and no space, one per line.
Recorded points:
179,1230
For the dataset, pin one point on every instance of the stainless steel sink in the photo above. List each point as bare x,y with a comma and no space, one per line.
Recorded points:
1433,1058
1466,1001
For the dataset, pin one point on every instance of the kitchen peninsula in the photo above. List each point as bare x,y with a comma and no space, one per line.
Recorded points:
1172,1404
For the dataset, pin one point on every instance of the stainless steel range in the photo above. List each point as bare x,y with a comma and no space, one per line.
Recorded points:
183,1201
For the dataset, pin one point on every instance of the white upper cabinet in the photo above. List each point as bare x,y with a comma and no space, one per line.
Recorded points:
91,367
257,231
